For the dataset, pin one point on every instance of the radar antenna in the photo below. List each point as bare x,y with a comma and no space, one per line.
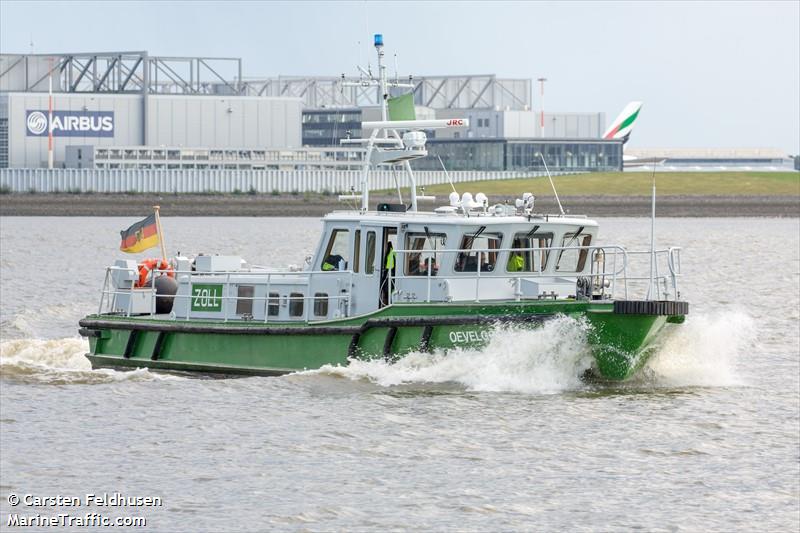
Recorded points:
385,146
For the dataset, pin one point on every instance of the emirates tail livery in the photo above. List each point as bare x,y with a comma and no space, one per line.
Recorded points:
621,129
623,125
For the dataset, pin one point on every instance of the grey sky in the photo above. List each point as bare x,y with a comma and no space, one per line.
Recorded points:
711,74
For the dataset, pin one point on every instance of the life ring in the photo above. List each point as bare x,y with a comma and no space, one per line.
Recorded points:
149,265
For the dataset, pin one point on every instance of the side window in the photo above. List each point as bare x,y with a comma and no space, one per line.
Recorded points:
321,304
337,254
295,304
478,248
573,259
529,252
273,304
369,259
356,252
423,253
244,299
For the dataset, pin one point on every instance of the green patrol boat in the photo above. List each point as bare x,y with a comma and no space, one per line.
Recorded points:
387,281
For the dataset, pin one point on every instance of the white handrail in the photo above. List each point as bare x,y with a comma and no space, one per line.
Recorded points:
606,279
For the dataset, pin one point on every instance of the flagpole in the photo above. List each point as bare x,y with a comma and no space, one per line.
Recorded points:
160,233
50,117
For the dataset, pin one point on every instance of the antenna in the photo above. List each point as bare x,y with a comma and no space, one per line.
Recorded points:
447,174
397,183
360,59
553,185
653,283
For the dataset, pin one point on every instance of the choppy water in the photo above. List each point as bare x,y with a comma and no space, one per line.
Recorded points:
707,438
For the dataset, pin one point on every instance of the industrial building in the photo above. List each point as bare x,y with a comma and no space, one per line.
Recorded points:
118,100
131,110
562,155
230,122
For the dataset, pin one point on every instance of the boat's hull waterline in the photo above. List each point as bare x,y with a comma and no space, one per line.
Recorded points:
619,336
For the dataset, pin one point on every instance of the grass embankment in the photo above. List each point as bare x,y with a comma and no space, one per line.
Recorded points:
639,184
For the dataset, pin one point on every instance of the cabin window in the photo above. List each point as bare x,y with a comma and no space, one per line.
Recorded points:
356,251
529,252
244,299
296,304
273,304
478,247
337,254
321,304
423,253
369,259
573,258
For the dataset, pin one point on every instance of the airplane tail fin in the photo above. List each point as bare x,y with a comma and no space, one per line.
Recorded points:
623,125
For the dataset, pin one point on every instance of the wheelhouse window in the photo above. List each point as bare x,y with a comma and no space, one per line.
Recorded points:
529,252
478,250
337,254
573,257
369,259
423,253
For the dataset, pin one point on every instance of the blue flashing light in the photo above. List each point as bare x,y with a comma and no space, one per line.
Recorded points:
378,39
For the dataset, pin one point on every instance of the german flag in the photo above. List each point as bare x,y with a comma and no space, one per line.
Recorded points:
140,236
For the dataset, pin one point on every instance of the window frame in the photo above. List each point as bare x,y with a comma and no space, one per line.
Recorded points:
434,252
582,254
273,304
356,250
329,248
370,252
320,304
458,265
297,302
244,302
530,260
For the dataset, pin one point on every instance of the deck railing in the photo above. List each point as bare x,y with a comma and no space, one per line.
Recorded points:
110,294
604,280
607,277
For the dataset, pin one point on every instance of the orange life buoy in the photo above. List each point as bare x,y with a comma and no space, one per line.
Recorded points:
149,265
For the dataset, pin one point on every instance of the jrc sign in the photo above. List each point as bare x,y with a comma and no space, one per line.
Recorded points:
70,123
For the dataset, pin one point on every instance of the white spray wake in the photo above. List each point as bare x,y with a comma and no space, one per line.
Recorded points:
553,358
704,351
548,359
58,361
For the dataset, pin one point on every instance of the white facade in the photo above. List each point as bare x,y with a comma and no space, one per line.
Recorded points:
26,151
521,124
155,120
224,122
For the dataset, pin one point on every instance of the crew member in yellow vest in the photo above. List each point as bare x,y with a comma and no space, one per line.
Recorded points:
389,267
516,262
390,259
332,262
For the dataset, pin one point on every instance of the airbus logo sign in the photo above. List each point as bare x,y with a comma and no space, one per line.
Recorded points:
37,123
70,123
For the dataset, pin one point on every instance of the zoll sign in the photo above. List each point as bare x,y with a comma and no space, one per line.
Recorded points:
70,123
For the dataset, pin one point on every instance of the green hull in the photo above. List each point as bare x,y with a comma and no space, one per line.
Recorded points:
619,338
